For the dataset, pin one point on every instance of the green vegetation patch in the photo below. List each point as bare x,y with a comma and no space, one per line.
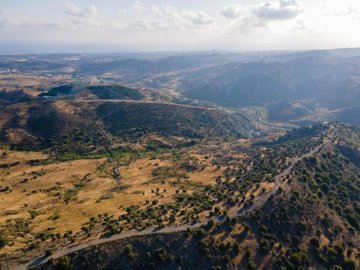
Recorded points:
61,90
168,172
115,92
120,188
113,153
71,194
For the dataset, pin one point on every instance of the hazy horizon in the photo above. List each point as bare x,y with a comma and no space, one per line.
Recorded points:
27,49
147,26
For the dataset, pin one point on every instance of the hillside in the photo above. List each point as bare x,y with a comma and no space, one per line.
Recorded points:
115,92
349,115
229,84
40,125
315,83
135,119
314,77
287,110
311,221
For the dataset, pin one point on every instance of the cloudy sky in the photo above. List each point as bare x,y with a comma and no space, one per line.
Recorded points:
152,25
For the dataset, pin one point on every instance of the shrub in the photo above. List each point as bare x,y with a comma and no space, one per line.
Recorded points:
315,242
236,247
251,266
129,251
155,202
63,263
349,265
295,259
47,253
3,240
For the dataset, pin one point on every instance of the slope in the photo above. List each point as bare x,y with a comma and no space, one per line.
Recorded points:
312,221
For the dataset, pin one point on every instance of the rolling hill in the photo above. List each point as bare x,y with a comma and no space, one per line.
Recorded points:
321,81
44,124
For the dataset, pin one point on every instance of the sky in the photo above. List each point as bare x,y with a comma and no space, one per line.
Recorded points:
177,25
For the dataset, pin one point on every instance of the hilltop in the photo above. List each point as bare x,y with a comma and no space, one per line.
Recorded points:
44,124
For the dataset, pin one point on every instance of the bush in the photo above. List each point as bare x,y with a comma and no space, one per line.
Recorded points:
315,242
63,263
200,233
129,251
349,265
236,247
155,202
251,266
264,244
295,259
3,240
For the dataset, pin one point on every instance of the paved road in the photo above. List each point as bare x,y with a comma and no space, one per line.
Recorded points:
260,201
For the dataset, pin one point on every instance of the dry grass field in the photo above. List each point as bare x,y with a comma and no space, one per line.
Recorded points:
32,81
62,196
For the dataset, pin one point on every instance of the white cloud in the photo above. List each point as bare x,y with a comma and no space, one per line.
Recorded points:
169,18
232,11
14,22
139,6
198,17
250,18
143,25
286,3
283,10
249,24
74,10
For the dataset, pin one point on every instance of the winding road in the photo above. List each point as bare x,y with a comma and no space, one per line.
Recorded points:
260,201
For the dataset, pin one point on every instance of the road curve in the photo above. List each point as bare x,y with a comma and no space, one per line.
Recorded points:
261,200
